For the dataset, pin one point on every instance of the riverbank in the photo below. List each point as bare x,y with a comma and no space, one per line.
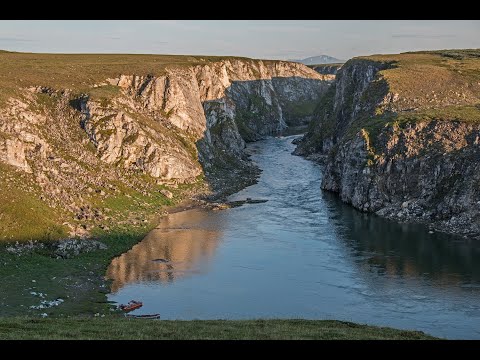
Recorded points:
374,130
126,329
40,280
336,267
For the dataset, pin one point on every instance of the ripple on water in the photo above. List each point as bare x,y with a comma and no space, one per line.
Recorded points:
302,254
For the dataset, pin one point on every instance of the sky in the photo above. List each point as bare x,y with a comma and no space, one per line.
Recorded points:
265,39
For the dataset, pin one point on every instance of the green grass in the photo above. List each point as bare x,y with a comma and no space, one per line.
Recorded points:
80,72
301,108
24,216
22,208
418,74
463,113
375,124
429,86
104,93
80,280
119,328
77,280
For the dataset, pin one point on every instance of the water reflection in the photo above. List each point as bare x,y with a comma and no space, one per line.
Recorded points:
302,254
406,250
181,245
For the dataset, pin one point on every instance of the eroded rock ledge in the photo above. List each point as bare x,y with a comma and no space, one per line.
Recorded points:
134,136
399,136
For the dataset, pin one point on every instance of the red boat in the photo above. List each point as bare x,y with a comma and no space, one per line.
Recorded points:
132,305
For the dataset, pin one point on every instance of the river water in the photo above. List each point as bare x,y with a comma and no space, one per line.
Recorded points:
301,254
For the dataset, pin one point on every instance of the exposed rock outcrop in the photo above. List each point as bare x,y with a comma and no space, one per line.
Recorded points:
410,164
327,69
138,135
427,172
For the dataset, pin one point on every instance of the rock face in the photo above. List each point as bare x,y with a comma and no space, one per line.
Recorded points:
351,98
14,154
215,108
139,132
382,156
133,140
327,69
426,172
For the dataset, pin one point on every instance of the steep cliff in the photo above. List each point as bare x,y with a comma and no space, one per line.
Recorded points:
101,140
400,136
326,69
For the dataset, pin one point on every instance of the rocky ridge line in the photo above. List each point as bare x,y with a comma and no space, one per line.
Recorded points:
398,153
139,137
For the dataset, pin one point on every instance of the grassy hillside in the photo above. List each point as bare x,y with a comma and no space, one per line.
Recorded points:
82,158
118,328
37,220
24,213
409,87
79,72
442,72
447,79
62,114
69,188
437,85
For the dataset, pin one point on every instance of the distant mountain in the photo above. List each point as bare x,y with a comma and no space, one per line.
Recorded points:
322,59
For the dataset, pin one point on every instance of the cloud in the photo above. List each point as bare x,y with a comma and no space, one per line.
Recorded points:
113,38
422,36
16,39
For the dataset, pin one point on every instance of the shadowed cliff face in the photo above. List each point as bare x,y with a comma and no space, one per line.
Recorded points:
250,111
222,105
127,138
400,136
327,69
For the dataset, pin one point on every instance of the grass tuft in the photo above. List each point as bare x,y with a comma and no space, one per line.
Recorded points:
128,329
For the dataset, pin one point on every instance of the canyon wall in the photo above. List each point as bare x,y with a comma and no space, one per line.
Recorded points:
131,136
400,136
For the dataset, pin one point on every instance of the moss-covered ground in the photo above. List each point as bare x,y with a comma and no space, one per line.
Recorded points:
128,329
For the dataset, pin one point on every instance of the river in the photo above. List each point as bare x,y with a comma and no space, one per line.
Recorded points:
301,254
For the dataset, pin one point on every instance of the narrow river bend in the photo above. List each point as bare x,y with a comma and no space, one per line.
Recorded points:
301,254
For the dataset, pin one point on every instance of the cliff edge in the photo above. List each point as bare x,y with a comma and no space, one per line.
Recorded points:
399,136
91,141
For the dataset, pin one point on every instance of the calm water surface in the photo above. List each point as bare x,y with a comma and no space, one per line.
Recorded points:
301,254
